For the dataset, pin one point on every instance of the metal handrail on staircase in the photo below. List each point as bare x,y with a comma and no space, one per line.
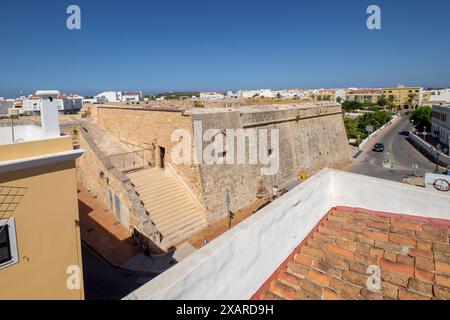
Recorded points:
121,161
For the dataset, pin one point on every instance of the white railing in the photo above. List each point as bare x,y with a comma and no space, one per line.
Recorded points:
428,148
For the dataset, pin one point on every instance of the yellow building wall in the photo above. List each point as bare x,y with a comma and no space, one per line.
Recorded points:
48,240
401,94
35,148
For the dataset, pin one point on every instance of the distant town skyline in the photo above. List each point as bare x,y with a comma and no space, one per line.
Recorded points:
212,46
154,92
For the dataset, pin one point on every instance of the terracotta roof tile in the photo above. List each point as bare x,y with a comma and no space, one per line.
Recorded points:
412,254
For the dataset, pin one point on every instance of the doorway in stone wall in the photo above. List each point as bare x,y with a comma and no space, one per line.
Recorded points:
162,157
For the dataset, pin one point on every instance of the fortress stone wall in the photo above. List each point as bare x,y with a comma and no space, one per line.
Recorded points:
311,136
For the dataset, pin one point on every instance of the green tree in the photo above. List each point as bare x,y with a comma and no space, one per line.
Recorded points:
351,127
350,106
391,102
375,119
382,101
422,118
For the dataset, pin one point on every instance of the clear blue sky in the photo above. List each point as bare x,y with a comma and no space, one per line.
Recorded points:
219,45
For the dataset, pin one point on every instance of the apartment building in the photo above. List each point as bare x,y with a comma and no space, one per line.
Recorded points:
325,95
108,96
211,96
263,93
364,95
67,103
118,96
132,96
439,95
402,94
440,127
40,256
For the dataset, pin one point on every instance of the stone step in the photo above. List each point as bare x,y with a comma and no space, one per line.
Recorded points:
156,184
165,215
144,176
182,234
169,227
167,185
169,196
165,208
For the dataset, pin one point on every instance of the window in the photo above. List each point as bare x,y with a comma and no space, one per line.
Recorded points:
5,245
8,245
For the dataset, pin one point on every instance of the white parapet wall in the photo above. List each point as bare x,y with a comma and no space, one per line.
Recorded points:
357,191
235,265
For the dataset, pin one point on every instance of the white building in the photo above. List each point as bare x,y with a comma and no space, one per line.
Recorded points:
67,103
89,100
266,93
232,95
442,95
131,96
118,96
340,95
440,127
109,96
211,96
247,94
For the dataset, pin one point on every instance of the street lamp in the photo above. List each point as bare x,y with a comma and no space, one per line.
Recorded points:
438,153
424,132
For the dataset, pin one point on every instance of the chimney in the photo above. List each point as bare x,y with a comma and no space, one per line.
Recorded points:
50,115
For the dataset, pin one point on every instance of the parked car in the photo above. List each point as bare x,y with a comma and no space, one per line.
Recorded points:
378,147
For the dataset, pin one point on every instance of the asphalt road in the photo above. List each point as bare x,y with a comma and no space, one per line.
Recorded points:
403,155
103,281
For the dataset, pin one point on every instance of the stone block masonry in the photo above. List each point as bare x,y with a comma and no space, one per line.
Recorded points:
311,136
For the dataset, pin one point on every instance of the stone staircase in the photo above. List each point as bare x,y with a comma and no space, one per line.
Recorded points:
175,214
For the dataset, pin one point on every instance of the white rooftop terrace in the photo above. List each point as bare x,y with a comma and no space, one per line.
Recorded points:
22,133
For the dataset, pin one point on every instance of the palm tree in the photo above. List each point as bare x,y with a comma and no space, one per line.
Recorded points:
391,101
412,97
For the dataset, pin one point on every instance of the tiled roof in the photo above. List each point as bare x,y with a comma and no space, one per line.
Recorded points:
413,255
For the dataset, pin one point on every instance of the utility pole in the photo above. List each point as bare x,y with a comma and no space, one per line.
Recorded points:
230,214
415,167
13,113
12,128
